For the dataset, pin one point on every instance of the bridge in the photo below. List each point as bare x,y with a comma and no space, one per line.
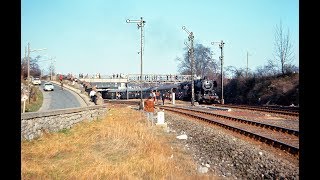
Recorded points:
103,83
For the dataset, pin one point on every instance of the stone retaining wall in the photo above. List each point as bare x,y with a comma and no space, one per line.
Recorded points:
33,124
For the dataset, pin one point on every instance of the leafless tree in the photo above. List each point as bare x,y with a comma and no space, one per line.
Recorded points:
51,69
283,48
235,72
204,63
34,67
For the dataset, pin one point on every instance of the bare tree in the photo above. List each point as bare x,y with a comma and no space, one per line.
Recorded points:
235,72
283,48
51,69
184,66
205,65
267,70
34,67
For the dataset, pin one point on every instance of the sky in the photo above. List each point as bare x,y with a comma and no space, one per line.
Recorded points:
92,36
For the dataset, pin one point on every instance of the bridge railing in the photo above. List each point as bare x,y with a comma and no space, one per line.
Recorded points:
136,78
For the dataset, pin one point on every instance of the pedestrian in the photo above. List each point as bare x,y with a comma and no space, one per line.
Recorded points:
61,85
149,108
93,95
118,95
154,96
163,97
157,96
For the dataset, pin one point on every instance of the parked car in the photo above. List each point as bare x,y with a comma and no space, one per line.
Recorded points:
48,86
36,81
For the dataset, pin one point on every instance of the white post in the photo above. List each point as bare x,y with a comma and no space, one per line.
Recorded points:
24,106
160,119
173,98
24,98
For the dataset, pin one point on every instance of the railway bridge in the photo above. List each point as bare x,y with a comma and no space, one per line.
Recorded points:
105,83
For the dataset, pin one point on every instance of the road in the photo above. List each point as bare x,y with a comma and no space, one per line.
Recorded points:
60,99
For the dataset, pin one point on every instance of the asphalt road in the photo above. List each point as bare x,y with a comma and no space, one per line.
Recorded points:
60,99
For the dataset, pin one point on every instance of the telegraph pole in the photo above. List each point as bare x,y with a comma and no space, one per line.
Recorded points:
25,58
51,68
190,38
28,77
140,24
29,50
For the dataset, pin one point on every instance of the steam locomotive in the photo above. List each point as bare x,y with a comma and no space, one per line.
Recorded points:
204,91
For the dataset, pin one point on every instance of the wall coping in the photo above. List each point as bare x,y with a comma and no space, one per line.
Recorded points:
31,115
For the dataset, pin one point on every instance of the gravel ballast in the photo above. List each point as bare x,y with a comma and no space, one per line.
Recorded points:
229,156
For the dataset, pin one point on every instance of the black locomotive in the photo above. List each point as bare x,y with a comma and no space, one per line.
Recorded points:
204,91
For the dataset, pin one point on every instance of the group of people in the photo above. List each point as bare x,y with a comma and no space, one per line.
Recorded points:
157,95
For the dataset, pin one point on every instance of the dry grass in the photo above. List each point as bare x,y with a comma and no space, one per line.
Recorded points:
119,146
34,103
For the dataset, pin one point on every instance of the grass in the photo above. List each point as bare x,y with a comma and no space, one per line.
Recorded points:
118,146
35,102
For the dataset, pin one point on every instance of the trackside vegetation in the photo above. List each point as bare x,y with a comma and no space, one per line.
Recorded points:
35,101
121,145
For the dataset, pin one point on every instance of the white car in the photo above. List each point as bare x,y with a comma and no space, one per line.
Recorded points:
48,86
36,81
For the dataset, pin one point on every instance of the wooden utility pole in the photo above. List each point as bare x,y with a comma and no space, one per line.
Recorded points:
28,76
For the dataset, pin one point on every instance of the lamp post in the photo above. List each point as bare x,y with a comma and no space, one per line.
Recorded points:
140,24
221,45
190,38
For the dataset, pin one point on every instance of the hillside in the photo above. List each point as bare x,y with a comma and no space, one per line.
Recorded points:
274,90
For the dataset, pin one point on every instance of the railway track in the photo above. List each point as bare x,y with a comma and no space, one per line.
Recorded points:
289,111
278,136
271,109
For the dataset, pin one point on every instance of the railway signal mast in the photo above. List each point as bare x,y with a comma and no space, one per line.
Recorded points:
221,45
140,24
191,50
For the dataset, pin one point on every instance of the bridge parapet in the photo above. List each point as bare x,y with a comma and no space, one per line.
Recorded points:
136,78
101,80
